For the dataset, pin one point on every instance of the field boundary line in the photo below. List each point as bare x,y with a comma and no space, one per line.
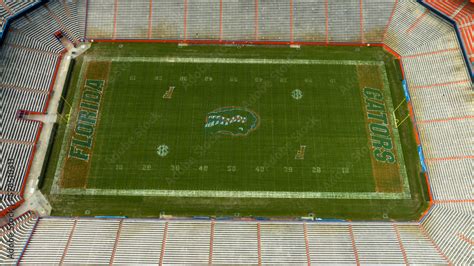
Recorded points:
233,194
268,61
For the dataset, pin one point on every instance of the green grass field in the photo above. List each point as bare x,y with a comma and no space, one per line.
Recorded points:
213,130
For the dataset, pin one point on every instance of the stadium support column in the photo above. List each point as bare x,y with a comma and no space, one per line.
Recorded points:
306,243
400,243
211,242
150,15
117,238
220,20
68,243
163,243
354,247
326,8
114,34
446,119
437,248
361,11
185,20
63,26
417,21
259,244
256,20
6,7
86,19
291,22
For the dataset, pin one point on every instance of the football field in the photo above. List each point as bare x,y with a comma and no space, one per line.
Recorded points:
215,130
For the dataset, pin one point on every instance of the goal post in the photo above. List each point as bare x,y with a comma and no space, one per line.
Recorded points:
400,120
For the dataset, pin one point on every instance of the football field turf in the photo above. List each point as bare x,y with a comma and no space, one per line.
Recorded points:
223,130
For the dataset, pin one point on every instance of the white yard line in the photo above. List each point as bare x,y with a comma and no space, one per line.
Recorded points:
234,194
260,61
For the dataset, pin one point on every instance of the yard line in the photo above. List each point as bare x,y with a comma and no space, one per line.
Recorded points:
204,60
233,194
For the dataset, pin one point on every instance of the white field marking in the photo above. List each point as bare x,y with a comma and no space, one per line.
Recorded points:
245,194
297,94
162,150
396,134
259,61
234,194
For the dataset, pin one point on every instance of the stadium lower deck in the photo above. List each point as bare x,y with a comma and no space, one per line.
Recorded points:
438,79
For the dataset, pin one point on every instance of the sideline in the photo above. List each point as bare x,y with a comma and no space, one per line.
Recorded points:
234,194
260,61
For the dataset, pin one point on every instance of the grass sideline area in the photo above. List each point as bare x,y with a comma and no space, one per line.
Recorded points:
234,131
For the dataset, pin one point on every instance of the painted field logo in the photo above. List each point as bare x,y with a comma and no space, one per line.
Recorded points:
86,120
234,121
162,150
297,94
379,128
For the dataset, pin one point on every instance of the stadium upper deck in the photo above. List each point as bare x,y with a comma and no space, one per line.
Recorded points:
9,10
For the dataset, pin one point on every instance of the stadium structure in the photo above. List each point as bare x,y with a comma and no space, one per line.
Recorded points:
433,39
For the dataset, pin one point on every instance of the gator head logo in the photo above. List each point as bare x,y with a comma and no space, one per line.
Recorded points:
234,121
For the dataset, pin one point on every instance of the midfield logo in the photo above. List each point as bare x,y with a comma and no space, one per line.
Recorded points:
297,94
234,121
162,150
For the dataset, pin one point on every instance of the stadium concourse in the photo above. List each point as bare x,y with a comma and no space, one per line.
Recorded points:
438,79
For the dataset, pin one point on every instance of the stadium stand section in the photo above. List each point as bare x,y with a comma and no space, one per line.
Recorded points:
10,9
439,84
30,56
15,233
460,14
141,241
